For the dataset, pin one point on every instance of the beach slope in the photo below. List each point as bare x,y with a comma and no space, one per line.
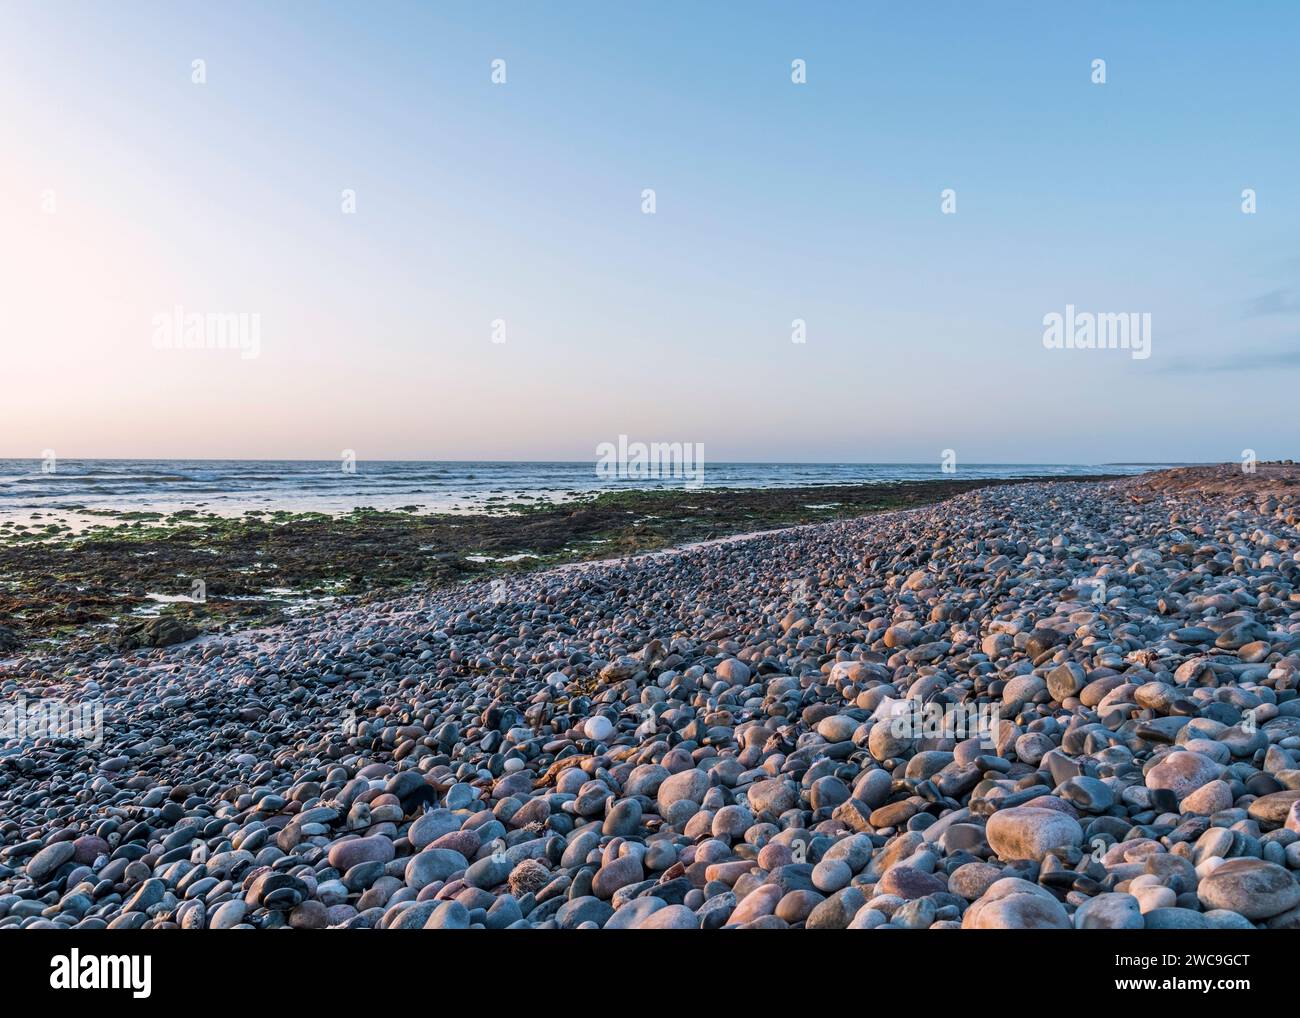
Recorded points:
1045,705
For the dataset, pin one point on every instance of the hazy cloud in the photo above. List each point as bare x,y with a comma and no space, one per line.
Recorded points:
1241,360
1275,302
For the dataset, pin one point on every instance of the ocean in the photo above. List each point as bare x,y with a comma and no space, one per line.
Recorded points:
232,487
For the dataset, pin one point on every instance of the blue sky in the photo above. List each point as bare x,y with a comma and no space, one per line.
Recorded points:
521,202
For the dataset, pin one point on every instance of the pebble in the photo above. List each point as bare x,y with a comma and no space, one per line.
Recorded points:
1183,773
1109,911
1251,888
1028,832
1019,911
670,917
49,859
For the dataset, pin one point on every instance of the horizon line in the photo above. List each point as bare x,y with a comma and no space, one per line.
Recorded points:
569,462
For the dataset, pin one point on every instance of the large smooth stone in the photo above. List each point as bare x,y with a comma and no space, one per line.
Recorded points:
1028,832
1250,887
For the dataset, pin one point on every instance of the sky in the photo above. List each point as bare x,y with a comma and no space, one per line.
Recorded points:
515,211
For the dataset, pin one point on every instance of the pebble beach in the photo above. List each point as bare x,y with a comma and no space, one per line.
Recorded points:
709,738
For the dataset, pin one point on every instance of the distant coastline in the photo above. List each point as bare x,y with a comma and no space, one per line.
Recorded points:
234,487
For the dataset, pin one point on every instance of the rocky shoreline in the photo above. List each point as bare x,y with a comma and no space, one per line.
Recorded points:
145,579
712,738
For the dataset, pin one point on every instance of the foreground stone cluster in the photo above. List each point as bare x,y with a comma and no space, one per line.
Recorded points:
702,740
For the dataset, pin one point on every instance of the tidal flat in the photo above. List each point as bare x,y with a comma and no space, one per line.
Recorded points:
100,581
